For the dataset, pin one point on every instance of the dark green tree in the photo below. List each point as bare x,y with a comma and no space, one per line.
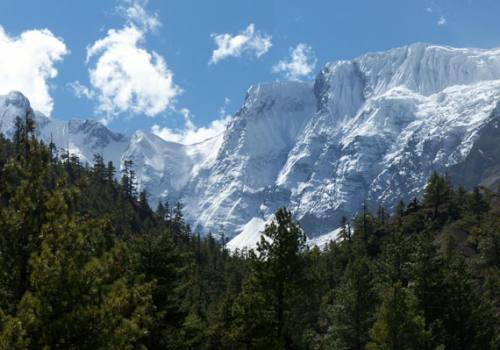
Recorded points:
275,285
437,196
128,180
398,323
353,308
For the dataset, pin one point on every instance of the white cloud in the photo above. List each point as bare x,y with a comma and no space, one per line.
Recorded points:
27,63
438,14
191,133
442,21
249,42
80,90
300,64
134,11
124,76
223,109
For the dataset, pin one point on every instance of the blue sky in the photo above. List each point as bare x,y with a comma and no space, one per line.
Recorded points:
175,80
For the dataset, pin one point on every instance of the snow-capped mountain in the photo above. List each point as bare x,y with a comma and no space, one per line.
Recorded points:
372,128
376,128
81,137
162,167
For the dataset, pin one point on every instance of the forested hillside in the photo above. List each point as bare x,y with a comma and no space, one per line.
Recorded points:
85,263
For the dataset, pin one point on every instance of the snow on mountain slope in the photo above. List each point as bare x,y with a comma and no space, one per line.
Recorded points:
249,235
13,105
238,184
427,69
323,240
373,128
154,160
203,154
81,137
252,231
383,122
163,168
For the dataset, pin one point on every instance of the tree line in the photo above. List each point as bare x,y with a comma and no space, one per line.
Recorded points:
86,263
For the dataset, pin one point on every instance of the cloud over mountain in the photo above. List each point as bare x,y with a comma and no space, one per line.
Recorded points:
28,63
248,42
300,64
124,76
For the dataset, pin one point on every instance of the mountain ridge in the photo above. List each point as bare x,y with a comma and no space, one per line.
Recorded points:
373,128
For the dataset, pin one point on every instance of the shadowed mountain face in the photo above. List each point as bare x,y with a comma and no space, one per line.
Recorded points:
482,164
371,128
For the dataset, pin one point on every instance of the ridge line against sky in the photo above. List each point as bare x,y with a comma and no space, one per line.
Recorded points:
137,64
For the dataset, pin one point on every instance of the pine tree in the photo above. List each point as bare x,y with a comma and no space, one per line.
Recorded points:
353,308
158,259
467,318
12,334
280,248
128,180
85,263
22,213
78,293
398,323
18,135
366,237
99,168
345,230
275,282
179,226
393,264
427,279
178,217
161,212
438,194
400,213
382,216
413,206
476,205
144,209
110,172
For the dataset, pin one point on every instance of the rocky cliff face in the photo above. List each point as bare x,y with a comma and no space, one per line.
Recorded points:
371,128
381,124
241,183
482,164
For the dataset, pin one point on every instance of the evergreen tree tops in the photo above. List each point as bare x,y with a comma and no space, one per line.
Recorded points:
85,263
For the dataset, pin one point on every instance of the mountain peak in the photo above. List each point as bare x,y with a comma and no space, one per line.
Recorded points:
428,69
12,105
373,128
277,89
16,99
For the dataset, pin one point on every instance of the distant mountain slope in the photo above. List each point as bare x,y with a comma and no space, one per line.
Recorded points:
162,167
482,164
379,126
370,128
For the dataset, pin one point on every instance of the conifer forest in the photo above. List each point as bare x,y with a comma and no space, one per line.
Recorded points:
87,263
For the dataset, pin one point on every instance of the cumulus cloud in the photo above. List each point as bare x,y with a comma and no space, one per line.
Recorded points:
135,13
124,76
300,64
192,134
442,21
80,90
28,63
249,41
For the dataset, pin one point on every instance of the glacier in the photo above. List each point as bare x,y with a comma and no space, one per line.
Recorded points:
372,128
